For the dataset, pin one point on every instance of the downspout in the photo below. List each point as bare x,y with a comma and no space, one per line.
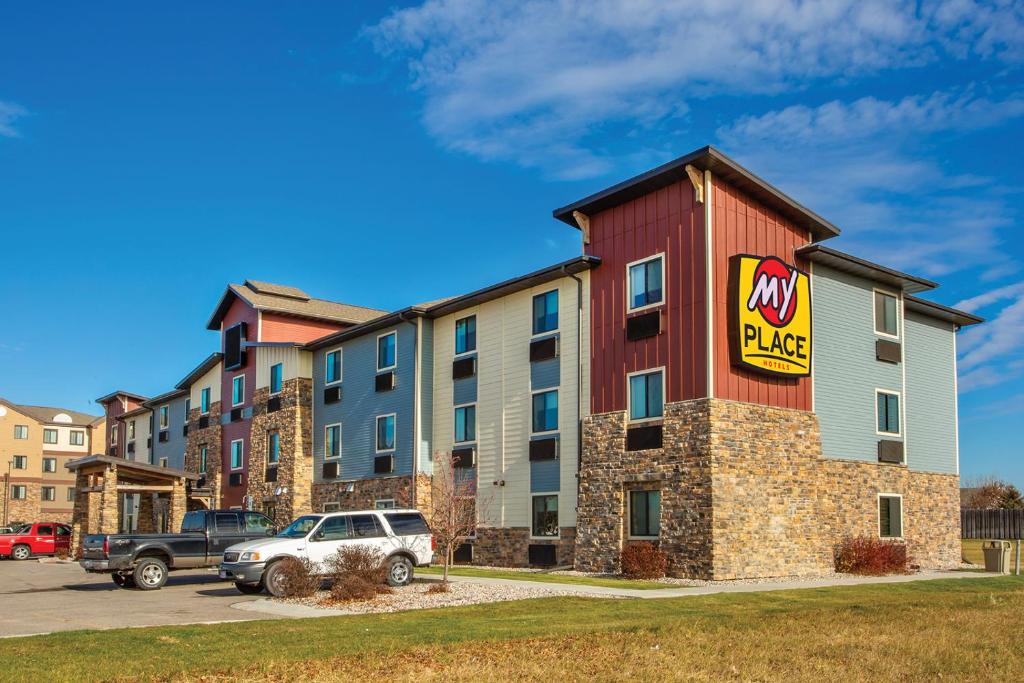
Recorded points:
579,377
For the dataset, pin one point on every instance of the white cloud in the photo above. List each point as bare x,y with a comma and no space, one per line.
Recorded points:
990,353
9,113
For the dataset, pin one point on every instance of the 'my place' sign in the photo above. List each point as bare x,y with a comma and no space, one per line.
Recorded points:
770,316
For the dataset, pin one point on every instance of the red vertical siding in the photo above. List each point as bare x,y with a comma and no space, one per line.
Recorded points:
113,410
662,221
238,312
740,225
283,328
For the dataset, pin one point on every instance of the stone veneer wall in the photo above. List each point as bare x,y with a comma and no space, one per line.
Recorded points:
364,493
294,422
27,509
509,546
211,438
746,492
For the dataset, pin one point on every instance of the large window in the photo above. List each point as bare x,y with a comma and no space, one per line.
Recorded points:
465,335
332,441
49,436
888,412
48,493
890,516
332,366
545,312
49,465
273,447
21,462
238,390
645,283
165,416
644,514
276,372
886,316
646,395
77,437
18,492
20,431
545,411
545,516
465,423
386,433
236,454
386,359
204,401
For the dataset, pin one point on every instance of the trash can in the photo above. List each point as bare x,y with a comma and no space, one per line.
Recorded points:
997,556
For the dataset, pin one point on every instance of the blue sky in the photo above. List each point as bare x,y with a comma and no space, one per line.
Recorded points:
149,155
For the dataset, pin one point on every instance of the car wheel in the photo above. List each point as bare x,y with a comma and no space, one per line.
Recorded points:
123,580
249,588
273,580
150,574
399,571
21,552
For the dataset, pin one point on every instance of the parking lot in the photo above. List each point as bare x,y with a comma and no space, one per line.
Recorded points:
39,597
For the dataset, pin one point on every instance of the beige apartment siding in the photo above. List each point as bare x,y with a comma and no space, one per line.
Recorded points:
32,447
141,421
296,362
212,380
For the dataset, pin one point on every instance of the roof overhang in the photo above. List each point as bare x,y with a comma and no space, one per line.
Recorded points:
934,310
103,400
372,326
97,463
165,397
223,305
705,159
208,364
135,411
816,253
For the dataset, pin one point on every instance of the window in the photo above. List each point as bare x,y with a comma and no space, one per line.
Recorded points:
77,437
646,395
890,515
18,492
407,523
386,504
49,436
202,459
888,412
885,314
545,516
273,448
333,529
49,465
545,312
366,526
644,514
21,462
204,401
20,431
236,454
465,423
386,351
48,494
645,283
71,494
332,441
164,417
238,390
332,366
465,335
163,462
226,522
386,433
276,375
113,435
45,530
545,411
193,522
257,523
131,430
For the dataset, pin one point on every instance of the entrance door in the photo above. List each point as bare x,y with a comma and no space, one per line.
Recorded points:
130,513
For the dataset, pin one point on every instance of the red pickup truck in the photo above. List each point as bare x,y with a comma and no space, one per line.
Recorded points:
41,538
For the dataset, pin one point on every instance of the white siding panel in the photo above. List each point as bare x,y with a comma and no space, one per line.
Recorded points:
212,380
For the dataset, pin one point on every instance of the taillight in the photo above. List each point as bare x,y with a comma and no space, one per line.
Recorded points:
106,546
433,543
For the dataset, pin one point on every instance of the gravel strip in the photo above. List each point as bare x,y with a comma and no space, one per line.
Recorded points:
415,596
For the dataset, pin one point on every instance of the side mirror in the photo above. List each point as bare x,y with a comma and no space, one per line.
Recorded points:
272,531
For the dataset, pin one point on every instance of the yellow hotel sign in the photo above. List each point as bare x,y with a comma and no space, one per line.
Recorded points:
770,310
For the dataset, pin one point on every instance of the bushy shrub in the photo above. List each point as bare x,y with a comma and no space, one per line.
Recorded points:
439,587
871,556
357,572
299,578
643,561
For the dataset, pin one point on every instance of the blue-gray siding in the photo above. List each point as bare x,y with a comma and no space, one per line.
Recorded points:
174,448
846,372
930,395
426,396
545,374
464,391
360,405
544,476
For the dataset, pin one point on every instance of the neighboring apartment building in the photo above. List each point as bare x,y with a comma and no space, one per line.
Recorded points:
35,444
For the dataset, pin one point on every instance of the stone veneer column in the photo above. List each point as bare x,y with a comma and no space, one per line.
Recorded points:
146,522
109,513
86,513
177,506
211,438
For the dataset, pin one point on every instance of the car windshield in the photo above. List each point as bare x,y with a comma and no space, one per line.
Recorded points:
300,527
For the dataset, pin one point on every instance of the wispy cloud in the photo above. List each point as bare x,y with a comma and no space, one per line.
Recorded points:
9,113
537,82
990,353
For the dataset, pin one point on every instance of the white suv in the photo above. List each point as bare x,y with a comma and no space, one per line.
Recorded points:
402,536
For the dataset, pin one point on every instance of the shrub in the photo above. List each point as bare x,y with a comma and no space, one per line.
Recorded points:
357,572
299,578
871,556
643,561
439,587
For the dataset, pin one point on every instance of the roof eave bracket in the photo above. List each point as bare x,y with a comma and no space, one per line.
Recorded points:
697,180
583,220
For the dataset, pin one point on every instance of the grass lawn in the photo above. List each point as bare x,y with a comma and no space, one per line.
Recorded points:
545,578
954,629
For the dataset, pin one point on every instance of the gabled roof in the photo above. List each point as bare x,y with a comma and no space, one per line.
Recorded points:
208,363
141,410
46,414
705,159
165,397
854,265
934,310
102,400
264,296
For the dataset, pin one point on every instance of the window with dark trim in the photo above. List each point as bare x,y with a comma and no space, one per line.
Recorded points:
273,447
165,416
645,283
238,390
202,459
131,430
71,494
644,514
886,314
49,436
890,516
20,462
888,412
20,431
545,411
332,367
385,433
77,437
332,441
386,359
545,312
276,377
465,335
236,455
48,494
204,401
465,424
49,465
18,492
646,395
545,516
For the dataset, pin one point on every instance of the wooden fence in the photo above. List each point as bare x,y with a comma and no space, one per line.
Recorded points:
992,524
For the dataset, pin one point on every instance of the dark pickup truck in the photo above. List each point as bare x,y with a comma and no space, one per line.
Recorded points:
143,560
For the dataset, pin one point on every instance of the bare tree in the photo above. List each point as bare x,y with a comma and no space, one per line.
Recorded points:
455,506
989,493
